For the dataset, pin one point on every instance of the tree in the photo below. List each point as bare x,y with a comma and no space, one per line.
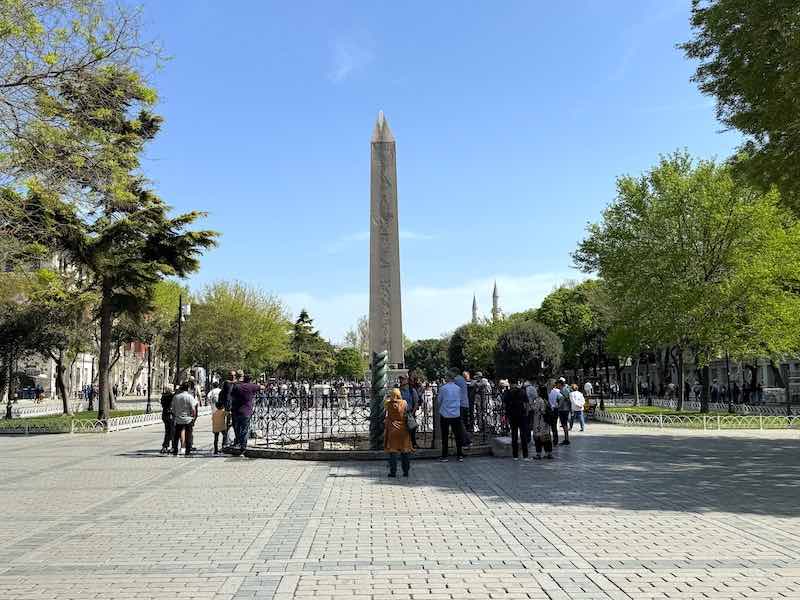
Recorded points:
527,350
358,336
694,260
428,358
236,326
350,364
312,357
46,45
750,62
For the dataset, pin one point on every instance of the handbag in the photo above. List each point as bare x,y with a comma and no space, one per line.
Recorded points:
411,422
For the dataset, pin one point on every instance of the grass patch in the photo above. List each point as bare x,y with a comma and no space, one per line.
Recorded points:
61,422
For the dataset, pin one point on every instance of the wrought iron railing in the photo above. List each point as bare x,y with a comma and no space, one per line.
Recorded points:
693,405
341,420
704,422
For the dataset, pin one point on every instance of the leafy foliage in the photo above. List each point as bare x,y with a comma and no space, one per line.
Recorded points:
527,350
428,357
749,55
350,364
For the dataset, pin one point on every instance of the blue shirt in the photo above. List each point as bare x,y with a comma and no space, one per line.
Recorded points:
450,400
410,396
462,385
554,397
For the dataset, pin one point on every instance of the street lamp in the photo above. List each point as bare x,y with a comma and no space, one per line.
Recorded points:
184,310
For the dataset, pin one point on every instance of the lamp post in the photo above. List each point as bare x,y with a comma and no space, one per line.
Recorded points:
184,310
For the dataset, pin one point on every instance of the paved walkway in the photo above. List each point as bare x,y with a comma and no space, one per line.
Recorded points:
621,514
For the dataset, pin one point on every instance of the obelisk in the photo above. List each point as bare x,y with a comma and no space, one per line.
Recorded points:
385,314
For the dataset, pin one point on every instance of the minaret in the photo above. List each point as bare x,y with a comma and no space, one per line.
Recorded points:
385,317
474,310
495,303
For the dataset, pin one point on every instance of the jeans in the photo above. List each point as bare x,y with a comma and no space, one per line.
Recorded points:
579,415
519,429
404,460
188,428
454,423
216,439
241,428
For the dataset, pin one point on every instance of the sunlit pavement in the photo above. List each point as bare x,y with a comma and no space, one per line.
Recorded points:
621,513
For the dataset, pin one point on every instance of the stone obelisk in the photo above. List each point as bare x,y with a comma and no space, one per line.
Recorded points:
385,314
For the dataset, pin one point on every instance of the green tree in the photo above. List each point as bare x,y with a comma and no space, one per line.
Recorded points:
350,364
527,349
235,326
312,358
750,62
428,357
358,336
692,259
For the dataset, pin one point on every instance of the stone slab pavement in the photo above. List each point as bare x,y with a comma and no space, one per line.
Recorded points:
621,514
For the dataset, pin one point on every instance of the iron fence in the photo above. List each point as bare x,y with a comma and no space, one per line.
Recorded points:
340,419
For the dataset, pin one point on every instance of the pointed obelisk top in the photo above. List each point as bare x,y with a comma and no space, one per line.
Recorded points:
382,133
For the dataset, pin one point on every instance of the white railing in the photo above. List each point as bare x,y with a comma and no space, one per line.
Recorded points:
704,422
740,409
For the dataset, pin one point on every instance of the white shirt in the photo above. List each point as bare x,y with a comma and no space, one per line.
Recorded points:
587,387
577,400
213,396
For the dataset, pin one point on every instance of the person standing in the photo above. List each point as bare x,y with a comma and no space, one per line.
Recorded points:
167,418
411,398
515,404
462,382
218,426
553,399
564,408
242,397
396,436
578,401
184,409
225,398
540,425
213,395
450,415
588,390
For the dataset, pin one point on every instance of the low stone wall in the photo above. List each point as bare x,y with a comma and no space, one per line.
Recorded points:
338,455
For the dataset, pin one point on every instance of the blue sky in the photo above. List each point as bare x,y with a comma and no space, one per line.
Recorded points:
512,120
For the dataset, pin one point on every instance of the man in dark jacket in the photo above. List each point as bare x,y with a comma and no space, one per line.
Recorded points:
225,399
242,399
515,405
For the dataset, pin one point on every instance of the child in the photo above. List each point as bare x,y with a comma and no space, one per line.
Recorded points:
218,426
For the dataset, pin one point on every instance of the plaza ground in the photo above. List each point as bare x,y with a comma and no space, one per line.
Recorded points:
622,513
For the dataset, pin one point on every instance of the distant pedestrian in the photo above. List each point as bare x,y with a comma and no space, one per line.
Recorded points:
213,395
578,401
450,415
184,409
396,436
515,405
219,426
540,424
588,390
461,381
564,408
412,400
553,398
242,397
167,417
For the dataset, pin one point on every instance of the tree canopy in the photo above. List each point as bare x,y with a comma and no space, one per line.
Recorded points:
750,62
527,349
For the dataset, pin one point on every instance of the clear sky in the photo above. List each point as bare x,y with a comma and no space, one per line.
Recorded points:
512,120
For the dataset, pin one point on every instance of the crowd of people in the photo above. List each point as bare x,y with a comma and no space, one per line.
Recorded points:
531,412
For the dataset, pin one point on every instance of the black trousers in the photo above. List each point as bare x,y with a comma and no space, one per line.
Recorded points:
216,439
546,444
465,418
176,437
554,427
454,423
168,424
519,429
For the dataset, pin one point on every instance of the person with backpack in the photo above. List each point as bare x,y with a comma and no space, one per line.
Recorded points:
515,405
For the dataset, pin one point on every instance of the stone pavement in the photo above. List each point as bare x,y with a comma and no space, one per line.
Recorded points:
622,513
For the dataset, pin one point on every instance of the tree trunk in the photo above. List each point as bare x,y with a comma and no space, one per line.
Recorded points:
681,380
61,388
636,380
706,389
135,376
7,379
106,324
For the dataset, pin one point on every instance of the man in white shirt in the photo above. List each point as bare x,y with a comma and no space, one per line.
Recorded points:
213,395
588,390
184,408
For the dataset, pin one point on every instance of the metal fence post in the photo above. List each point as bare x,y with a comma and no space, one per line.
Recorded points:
761,422
704,422
719,425
661,421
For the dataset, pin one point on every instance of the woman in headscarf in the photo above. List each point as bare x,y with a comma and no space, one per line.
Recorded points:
396,437
540,424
